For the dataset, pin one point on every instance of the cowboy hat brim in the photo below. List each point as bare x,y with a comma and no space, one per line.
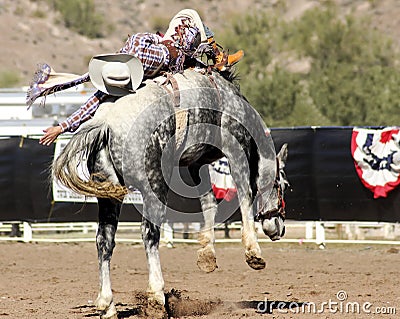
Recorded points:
98,62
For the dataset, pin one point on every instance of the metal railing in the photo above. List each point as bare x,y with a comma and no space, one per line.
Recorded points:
315,232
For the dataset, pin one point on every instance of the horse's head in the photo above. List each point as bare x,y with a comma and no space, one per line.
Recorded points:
272,215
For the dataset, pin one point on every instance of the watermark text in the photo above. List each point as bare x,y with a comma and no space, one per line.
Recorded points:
340,304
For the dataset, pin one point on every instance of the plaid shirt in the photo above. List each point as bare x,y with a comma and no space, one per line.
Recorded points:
148,49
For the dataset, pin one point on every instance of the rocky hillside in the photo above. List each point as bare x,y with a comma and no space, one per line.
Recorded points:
31,32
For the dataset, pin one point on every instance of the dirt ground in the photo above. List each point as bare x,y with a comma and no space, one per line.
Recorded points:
60,281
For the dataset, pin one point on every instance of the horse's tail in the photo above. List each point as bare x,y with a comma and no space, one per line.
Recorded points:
82,147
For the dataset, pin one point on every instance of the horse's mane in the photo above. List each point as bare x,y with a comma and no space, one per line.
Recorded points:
231,75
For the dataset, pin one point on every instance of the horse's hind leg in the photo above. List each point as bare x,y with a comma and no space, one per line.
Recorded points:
105,239
206,258
151,240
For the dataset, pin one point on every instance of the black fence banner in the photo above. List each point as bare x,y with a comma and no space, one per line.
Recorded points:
320,169
323,178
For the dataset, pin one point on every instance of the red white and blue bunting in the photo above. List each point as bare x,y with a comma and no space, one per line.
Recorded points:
376,154
221,180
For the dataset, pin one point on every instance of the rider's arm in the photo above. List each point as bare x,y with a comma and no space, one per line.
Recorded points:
84,113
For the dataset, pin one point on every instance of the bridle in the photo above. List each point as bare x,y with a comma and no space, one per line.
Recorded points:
279,211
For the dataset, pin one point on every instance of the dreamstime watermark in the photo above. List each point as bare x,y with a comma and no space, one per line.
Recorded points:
340,305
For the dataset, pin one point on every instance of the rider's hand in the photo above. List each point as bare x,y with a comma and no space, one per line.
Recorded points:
50,134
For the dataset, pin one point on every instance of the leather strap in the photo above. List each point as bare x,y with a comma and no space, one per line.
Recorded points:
181,115
175,89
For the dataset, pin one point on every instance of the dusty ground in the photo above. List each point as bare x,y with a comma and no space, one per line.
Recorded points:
60,281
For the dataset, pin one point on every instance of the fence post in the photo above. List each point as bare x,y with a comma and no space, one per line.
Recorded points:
320,234
309,230
167,234
389,231
27,232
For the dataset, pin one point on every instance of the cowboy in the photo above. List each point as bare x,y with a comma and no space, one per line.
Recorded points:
186,33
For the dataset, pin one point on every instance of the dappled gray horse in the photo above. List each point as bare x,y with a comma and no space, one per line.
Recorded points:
134,142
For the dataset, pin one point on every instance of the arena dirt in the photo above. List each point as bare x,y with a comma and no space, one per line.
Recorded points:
59,281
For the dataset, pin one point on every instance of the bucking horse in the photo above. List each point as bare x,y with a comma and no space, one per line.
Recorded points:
133,142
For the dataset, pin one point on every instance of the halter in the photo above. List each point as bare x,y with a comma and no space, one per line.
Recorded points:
280,210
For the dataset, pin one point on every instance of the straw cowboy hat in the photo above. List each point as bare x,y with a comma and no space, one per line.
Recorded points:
116,74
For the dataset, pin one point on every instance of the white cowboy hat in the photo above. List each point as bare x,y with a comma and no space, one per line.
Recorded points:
116,74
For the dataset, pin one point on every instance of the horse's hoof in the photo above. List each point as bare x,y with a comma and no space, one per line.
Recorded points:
255,262
109,313
103,303
156,297
206,260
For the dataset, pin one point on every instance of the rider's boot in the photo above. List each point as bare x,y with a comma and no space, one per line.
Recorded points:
223,60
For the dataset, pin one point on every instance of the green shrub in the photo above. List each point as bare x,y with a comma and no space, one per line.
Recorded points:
353,77
19,11
81,16
39,14
273,91
159,24
353,80
9,79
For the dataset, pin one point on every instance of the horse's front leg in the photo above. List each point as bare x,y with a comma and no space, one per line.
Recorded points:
151,240
249,236
105,240
206,257
246,186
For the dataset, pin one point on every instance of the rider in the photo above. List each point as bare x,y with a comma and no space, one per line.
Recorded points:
185,33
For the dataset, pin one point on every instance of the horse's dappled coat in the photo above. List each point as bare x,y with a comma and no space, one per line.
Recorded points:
130,143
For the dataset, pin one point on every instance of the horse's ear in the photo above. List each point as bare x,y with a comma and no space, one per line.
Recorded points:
282,155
